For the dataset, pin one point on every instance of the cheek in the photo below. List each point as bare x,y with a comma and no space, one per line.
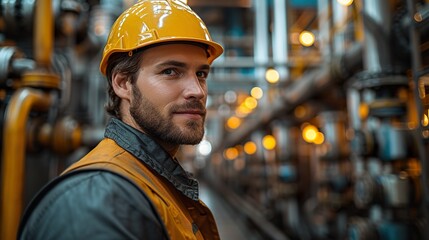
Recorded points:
159,96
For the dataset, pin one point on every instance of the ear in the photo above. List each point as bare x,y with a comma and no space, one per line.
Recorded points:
121,86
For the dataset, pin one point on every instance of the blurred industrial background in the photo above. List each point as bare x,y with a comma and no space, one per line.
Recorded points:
318,124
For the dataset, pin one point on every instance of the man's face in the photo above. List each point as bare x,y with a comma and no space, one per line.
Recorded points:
169,97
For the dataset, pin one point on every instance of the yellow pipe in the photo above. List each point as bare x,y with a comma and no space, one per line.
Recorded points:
14,146
43,27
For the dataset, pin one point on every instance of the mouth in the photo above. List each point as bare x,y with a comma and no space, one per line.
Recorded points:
191,113
192,110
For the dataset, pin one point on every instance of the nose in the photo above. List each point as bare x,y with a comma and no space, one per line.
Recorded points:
195,88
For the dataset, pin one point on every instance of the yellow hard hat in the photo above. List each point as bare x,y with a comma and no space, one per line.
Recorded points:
157,21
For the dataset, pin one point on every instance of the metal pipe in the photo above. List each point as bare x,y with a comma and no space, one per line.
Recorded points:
21,65
261,46
324,13
280,38
43,25
14,147
377,20
422,16
340,23
22,102
341,68
12,63
422,144
261,32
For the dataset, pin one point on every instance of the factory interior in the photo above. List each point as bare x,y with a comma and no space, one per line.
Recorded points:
317,120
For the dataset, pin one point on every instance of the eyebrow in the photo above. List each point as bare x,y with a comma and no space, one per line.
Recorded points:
180,65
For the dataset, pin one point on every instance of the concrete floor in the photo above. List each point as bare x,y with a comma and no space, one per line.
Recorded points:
231,225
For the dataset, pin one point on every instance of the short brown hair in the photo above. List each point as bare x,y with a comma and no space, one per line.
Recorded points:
127,63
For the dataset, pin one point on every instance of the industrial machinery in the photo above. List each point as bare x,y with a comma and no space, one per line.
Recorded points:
338,148
349,156
52,94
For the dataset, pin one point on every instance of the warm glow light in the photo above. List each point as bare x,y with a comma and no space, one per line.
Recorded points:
272,76
231,153
257,92
233,122
269,142
345,2
242,111
309,133
363,111
320,138
418,17
306,38
425,120
184,1
250,148
251,103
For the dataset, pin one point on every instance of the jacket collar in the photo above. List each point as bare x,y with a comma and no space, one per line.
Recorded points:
149,152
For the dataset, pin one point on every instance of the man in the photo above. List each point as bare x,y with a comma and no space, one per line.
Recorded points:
157,59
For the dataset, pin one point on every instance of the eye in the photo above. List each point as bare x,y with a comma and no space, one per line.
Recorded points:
202,74
170,72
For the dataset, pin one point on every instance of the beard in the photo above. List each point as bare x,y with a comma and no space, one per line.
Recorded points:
153,123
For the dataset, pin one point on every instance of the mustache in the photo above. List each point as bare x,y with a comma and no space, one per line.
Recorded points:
191,105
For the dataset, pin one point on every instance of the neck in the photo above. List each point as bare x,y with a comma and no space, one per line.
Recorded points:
170,148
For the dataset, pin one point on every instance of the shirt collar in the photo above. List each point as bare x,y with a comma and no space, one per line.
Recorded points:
153,155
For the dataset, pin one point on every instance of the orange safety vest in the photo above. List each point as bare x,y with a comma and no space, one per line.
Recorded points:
183,217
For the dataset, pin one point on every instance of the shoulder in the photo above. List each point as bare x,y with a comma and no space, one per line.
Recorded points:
90,204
